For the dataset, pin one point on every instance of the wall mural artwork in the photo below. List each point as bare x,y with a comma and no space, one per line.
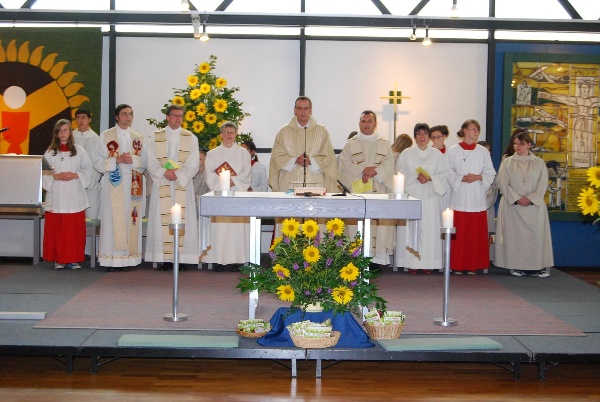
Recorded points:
557,103
45,75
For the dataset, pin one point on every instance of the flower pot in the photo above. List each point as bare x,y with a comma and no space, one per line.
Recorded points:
313,308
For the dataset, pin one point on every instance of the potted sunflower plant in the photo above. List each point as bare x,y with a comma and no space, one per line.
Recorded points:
309,268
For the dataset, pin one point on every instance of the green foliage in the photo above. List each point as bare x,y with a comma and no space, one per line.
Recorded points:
208,103
327,268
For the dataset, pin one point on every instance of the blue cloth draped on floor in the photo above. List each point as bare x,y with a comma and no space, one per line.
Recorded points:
353,335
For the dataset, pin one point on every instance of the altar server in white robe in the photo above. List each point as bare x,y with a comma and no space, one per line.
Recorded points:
88,139
523,239
118,157
425,171
172,157
66,198
229,236
367,167
401,143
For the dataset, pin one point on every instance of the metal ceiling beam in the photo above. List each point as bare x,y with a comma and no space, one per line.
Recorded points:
29,4
566,4
419,7
223,6
294,20
381,7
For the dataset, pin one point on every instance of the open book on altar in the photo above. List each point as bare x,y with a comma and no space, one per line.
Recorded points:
225,166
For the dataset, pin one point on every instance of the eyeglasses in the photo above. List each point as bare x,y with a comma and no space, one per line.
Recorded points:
437,137
228,132
179,116
303,108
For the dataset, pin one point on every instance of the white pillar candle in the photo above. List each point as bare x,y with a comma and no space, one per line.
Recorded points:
176,214
225,180
448,218
398,182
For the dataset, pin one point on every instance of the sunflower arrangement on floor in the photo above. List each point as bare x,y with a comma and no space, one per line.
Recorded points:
208,103
589,198
310,267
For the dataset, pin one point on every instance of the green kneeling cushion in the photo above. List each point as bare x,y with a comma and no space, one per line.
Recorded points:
414,344
179,341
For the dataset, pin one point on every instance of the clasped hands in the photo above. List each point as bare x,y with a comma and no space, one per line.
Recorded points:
472,178
66,176
170,174
368,173
303,160
524,202
421,178
125,158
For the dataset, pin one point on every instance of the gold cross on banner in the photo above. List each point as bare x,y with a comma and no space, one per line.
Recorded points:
395,98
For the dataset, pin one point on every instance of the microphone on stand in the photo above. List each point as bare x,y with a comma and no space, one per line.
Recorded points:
344,188
4,129
304,164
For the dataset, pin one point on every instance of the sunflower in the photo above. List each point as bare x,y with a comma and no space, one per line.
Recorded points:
286,293
213,143
281,271
210,118
336,226
195,93
220,105
221,82
197,127
205,88
276,241
178,101
349,272
310,228
190,115
594,176
588,202
311,254
184,125
290,227
192,80
201,109
204,68
342,294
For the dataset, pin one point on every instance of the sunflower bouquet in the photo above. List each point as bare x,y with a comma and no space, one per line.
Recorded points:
208,103
589,198
309,267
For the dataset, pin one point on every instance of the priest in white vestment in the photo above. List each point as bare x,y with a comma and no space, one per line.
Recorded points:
172,156
425,170
302,152
367,167
118,157
229,235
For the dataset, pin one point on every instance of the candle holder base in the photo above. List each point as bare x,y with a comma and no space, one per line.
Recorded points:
445,323
224,193
176,226
448,230
398,196
175,318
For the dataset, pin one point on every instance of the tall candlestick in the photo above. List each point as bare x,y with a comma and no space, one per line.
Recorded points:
176,213
558,182
448,218
398,183
225,180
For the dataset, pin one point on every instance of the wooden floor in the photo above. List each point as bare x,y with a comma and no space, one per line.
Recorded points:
149,380
44,379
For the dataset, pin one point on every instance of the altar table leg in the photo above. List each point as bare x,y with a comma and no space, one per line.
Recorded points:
294,368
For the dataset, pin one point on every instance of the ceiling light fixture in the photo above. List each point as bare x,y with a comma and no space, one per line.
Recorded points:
427,40
196,25
454,10
204,37
413,35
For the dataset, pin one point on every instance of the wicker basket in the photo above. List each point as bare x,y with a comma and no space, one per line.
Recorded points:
250,334
391,331
316,343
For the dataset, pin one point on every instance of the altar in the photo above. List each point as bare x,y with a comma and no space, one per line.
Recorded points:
258,205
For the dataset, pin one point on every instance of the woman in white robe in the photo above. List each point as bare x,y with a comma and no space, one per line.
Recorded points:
229,235
523,239
425,170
